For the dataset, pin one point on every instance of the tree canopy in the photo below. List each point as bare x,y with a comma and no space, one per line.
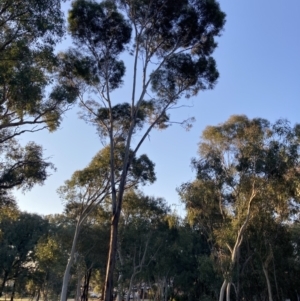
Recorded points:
171,44
248,169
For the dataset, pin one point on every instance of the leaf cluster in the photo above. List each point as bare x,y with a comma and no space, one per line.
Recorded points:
93,182
23,167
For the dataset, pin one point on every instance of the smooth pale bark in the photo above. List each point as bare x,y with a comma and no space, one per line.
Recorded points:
228,291
137,269
120,290
222,290
93,201
130,288
268,282
64,289
235,251
117,199
108,289
275,277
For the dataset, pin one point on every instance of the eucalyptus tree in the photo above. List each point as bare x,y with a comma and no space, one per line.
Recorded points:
30,30
91,251
141,237
269,257
171,43
30,97
244,164
19,237
49,260
90,187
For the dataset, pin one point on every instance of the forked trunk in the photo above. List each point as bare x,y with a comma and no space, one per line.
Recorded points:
222,291
235,251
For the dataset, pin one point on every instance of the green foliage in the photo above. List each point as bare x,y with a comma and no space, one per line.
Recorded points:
99,29
50,255
31,20
246,189
19,237
172,43
179,36
181,74
141,237
99,25
174,22
93,182
30,30
241,152
24,167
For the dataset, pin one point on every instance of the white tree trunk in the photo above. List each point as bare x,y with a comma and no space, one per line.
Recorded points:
268,283
222,290
228,291
235,251
130,288
64,289
119,293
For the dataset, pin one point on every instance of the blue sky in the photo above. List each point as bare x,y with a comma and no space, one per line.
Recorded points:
259,65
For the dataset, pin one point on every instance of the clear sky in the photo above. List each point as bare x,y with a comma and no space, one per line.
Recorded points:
259,65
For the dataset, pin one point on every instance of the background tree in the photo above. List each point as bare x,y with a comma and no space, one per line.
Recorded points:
30,30
269,247
92,249
244,164
142,220
171,44
19,238
51,255
89,187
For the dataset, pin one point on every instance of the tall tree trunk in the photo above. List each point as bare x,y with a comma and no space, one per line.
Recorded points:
268,283
64,289
275,277
120,278
85,291
88,278
108,288
228,291
236,249
222,290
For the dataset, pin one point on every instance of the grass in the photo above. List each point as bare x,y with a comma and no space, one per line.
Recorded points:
24,299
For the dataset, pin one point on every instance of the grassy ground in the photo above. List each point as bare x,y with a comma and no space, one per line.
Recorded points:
15,299
41,299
